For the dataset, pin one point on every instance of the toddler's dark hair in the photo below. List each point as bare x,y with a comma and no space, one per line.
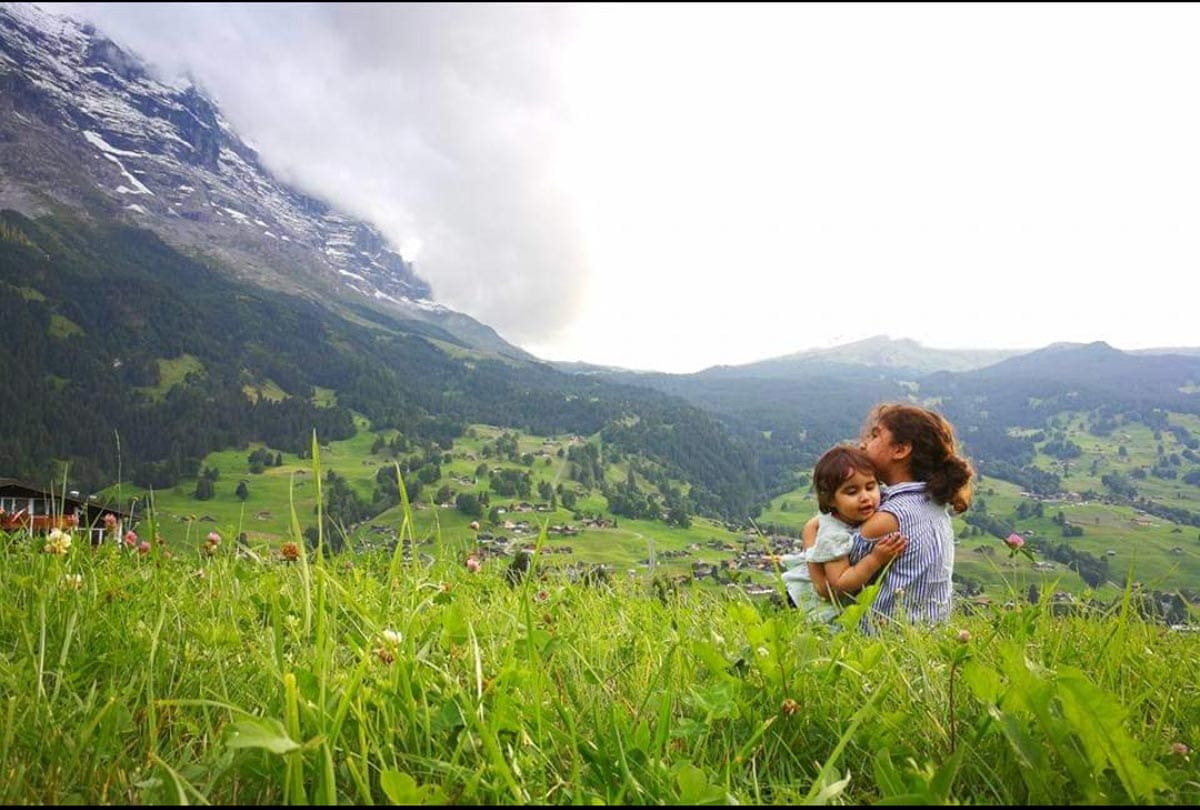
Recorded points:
834,467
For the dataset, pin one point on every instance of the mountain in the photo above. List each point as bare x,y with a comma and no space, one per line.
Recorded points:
1184,350
123,356
164,296
880,352
86,127
1092,371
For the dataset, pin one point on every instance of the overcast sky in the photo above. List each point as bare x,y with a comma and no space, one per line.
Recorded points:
673,187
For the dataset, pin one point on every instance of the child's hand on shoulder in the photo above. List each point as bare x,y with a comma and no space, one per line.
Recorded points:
890,546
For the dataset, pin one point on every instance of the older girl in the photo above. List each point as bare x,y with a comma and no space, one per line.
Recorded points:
916,455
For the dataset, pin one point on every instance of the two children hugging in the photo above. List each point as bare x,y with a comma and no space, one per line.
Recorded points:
848,493
913,452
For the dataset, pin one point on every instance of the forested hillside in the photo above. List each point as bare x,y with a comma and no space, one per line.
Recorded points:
92,317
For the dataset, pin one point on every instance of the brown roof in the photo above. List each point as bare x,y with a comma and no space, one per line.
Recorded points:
13,486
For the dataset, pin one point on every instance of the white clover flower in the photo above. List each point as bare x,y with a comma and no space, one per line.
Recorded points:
57,542
391,637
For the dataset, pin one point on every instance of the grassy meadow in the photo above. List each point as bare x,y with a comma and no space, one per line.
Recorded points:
189,677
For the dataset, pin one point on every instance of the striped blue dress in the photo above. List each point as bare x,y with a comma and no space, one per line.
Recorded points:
918,583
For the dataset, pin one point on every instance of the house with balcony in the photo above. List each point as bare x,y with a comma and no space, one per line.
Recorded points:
33,510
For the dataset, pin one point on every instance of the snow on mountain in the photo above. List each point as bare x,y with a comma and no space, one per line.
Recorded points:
84,124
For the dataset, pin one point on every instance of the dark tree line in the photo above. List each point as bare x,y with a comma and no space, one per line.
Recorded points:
120,301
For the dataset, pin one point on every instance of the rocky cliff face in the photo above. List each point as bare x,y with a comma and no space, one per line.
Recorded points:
83,125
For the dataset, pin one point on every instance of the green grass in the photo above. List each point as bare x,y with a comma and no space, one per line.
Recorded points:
1146,550
265,516
170,373
63,327
267,389
325,397
184,677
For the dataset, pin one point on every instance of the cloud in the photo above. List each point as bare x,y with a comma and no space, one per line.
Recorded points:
671,187
441,124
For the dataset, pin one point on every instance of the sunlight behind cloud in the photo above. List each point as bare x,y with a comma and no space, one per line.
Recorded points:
774,175
677,186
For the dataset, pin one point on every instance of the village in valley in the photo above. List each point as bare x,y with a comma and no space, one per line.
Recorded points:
465,507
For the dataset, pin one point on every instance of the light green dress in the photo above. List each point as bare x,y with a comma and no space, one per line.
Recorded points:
834,538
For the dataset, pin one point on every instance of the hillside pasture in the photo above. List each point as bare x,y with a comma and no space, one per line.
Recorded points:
1160,554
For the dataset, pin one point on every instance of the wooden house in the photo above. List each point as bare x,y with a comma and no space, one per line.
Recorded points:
27,508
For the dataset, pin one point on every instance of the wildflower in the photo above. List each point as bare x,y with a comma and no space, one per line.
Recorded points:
473,564
964,636
57,542
789,707
290,551
74,581
474,525
110,522
131,539
542,596
1180,749
200,573
1014,541
214,538
144,547
389,640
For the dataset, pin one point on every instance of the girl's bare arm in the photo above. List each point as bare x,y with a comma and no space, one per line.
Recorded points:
879,524
816,571
847,579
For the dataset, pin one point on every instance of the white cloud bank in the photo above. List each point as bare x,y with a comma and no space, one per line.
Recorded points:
675,186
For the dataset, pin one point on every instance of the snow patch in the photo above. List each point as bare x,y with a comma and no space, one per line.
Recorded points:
98,142
138,188
426,304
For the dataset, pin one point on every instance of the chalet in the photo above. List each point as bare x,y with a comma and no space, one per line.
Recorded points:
24,507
